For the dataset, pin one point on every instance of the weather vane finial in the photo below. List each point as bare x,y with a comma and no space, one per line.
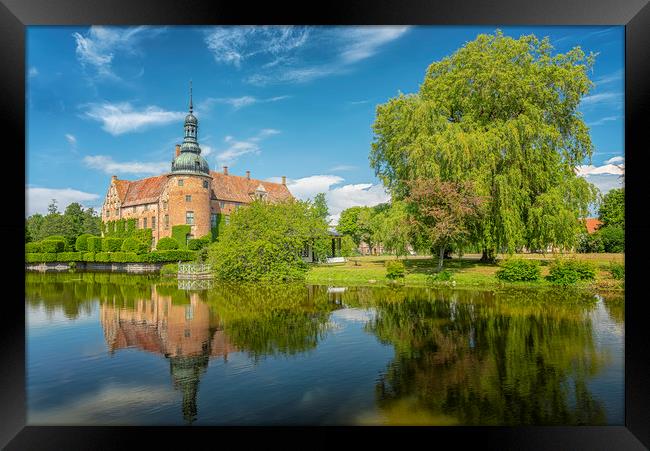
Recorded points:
191,107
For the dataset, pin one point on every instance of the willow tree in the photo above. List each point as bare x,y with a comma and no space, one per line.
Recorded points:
503,113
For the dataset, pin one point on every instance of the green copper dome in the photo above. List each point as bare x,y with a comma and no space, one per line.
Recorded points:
190,161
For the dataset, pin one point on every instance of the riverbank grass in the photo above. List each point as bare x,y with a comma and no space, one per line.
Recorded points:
466,271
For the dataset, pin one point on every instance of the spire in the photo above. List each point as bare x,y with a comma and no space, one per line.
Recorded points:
191,107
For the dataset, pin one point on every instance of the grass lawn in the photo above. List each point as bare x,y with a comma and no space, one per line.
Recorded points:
467,271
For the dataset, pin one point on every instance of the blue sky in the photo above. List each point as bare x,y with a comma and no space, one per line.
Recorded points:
293,101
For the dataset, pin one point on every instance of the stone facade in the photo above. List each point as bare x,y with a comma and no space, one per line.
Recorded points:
189,194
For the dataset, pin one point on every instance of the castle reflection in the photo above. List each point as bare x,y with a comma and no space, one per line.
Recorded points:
186,333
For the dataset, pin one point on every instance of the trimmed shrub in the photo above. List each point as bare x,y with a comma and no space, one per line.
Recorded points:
94,244
54,238
395,269
81,244
124,257
103,257
568,272
617,270
179,233
169,256
51,246
40,257
166,244
88,257
68,247
69,256
34,247
195,244
111,244
170,269
519,270
133,245
443,276
143,235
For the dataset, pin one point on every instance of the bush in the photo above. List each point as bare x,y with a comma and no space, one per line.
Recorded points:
613,237
124,257
348,248
519,270
102,257
167,244
196,244
617,270
169,269
34,247
179,233
133,245
111,244
443,276
169,256
54,238
51,246
88,257
36,257
395,269
81,244
568,272
94,244
590,242
69,256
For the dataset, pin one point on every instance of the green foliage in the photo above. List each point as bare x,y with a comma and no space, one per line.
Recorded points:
502,113
36,257
81,243
68,225
167,243
264,242
52,246
590,242
617,270
110,244
94,243
613,237
34,247
568,272
169,256
519,270
170,269
348,246
88,257
69,256
124,257
349,224
443,276
179,233
102,257
134,245
391,227
612,208
395,269
54,238
196,244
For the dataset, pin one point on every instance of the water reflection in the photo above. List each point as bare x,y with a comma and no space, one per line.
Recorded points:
458,356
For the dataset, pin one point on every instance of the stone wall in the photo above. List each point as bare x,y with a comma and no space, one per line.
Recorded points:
135,268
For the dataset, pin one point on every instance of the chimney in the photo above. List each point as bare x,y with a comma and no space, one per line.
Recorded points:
284,179
178,149
225,170
113,178
248,175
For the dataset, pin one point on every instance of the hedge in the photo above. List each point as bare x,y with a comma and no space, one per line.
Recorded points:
166,244
52,246
112,257
519,270
179,233
568,272
81,244
34,247
103,257
124,257
111,244
196,244
54,238
69,256
133,245
34,257
94,244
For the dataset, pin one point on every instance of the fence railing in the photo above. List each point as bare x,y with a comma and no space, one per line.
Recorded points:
194,268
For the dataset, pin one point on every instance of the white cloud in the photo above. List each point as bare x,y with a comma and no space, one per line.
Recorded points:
37,199
601,121
32,72
605,169
107,165
342,167
238,102
609,78
71,139
122,118
338,198
605,97
285,48
615,160
237,148
98,46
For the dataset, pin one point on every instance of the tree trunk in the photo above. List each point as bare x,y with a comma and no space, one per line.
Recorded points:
441,257
488,256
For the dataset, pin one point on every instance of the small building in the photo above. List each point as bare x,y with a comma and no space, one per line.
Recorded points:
334,251
592,224
366,249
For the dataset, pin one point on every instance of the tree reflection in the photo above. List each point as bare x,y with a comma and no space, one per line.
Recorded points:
506,359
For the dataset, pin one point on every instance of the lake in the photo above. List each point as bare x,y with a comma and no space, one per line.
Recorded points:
117,349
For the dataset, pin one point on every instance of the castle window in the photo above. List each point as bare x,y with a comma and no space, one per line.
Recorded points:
144,223
222,205
117,212
153,222
180,182
166,221
165,205
188,198
205,183
146,207
108,213
213,220
189,217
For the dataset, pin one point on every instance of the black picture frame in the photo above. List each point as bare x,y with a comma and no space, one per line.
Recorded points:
15,15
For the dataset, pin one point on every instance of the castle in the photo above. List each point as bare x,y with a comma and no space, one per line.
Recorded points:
189,194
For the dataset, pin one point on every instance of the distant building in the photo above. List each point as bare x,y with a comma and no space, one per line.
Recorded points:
375,249
189,194
592,224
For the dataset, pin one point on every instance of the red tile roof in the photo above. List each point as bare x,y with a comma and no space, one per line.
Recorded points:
144,191
239,189
592,224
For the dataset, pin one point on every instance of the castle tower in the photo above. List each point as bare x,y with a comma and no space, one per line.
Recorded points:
190,183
